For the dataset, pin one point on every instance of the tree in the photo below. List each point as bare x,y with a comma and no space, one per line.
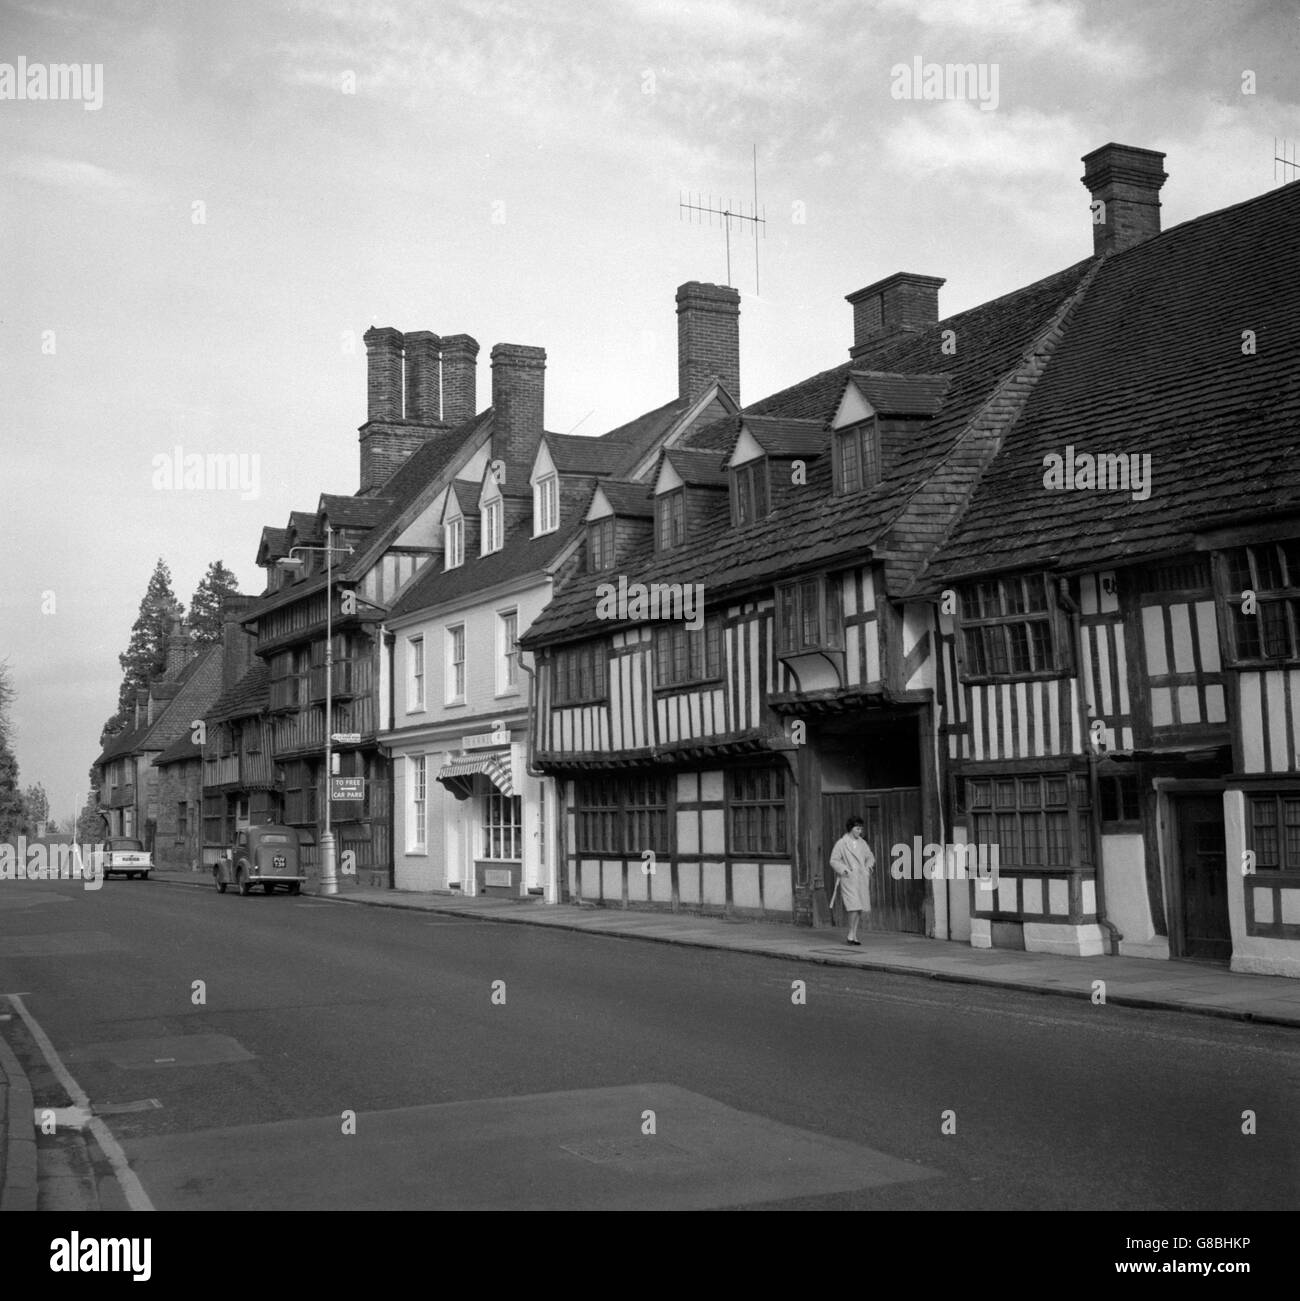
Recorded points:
89,829
145,657
207,602
12,807
36,806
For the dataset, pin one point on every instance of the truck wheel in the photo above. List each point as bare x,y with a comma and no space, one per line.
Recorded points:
242,881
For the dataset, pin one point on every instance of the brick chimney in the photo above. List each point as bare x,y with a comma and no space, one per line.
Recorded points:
518,390
383,373
141,706
459,363
708,338
1126,182
236,643
180,649
422,382
903,303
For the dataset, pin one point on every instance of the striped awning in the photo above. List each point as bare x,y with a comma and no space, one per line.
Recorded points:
458,775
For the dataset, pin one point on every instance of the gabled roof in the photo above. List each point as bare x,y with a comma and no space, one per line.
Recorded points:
520,554
1152,366
572,454
639,436
274,544
901,395
196,685
354,512
782,437
628,500
303,525
699,469
815,528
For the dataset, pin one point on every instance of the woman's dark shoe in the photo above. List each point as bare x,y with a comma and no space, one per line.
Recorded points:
857,942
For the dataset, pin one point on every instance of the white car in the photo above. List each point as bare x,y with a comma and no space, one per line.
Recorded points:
127,857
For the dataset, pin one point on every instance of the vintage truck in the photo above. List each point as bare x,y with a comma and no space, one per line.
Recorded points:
124,856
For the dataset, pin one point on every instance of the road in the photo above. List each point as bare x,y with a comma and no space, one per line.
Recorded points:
346,1057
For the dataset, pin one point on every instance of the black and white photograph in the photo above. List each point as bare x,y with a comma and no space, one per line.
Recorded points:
650,605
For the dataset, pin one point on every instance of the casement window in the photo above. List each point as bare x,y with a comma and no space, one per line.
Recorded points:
1035,821
580,673
453,539
756,811
546,504
683,655
857,458
1262,599
491,517
418,767
809,616
670,519
507,651
1120,800
502,828
600,544
622,815
1011,627
749,492
416,648
455,663
1273,831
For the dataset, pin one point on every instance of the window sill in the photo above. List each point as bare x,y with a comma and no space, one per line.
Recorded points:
507,694
668,688
458,703
1003,679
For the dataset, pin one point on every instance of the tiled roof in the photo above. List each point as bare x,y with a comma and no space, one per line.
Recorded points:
274,544
816,527
1152,365
779,437
573,454
630,500
354,512
302,523
639,436
180,750
521,554
249,695
196,684
702,469
902,395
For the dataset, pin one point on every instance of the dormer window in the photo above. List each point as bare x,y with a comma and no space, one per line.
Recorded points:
546,505
600,544
453,536
492,528
670,519
857,457
749,495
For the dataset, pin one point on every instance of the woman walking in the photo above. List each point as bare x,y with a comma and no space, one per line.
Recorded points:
852,861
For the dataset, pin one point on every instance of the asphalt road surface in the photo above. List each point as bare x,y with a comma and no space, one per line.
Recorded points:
338,1056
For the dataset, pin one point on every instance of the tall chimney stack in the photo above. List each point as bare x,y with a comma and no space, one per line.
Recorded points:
236,643
904,303
518,393
1124,182
459,363
422,383
383,373
708,338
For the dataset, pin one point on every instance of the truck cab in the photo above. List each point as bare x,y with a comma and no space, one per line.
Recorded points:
269,855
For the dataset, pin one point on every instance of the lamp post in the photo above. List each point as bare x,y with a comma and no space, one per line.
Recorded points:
328,878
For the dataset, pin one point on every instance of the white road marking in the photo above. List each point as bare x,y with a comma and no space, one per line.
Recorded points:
136,1197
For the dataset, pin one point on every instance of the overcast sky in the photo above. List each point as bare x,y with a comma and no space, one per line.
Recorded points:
129,328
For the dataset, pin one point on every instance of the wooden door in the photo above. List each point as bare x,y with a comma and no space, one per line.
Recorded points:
892,817
1203,875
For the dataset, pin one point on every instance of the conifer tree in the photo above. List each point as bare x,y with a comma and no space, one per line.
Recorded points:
12,807
145,657
207,601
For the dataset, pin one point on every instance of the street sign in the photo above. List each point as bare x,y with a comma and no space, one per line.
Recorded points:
346,738
347,788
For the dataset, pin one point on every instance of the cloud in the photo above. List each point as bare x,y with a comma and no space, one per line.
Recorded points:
955,135
88,179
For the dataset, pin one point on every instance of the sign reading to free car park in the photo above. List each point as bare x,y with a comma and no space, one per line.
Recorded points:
347,788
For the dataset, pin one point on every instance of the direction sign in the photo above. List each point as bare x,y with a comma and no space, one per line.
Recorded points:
347,788
346,738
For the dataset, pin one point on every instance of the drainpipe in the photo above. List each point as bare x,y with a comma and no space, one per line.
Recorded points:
532,770
1094,785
